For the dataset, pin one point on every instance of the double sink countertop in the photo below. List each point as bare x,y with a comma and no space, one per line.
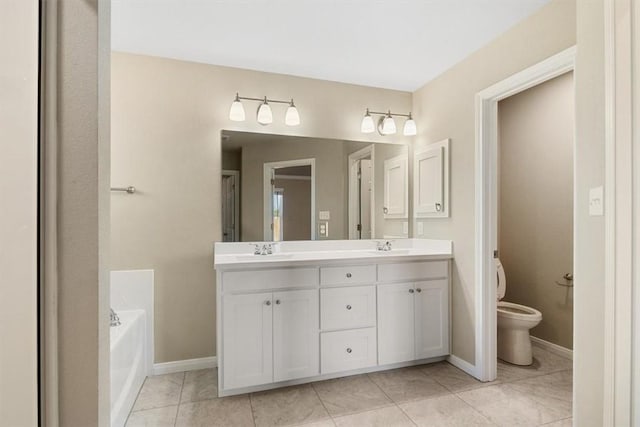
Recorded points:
238,254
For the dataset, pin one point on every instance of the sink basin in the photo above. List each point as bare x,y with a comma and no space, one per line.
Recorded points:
274,257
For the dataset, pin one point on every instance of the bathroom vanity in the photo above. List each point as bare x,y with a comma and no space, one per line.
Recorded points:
315,310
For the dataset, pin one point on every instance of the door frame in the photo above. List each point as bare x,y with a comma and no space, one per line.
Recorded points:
364,153
236,209
267,202
486,182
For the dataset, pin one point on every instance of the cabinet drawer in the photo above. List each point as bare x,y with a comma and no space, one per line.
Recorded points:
233,281
350,275
347,350
413,271
348,308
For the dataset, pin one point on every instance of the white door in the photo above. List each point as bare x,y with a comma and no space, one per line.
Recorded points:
395,187
432,318
396,339
296,349
428,186
248,345
365,199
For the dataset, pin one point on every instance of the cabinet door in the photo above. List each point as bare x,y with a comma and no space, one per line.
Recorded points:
296,337
428,166
395,187
432,318
396,323
248,345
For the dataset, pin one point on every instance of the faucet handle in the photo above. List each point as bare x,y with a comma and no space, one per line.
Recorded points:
256,248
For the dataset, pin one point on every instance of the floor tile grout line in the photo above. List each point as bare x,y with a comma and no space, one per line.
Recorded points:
253,412
407,415
184,378
322,403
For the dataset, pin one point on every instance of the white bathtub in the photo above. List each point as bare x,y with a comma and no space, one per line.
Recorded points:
128,363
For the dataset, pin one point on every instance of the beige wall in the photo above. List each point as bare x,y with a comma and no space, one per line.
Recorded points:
330,182
297,208
18,212
589,249
536,132
166,121
445,109
82,202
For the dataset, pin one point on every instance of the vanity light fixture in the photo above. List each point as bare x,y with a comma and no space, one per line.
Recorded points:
367,125
386,123
264,115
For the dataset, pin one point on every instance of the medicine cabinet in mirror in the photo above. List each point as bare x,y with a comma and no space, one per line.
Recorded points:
282,188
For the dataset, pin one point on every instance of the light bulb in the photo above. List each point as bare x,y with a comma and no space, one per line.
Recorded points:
388,126
236,113
410,128
292,117
367,125
265,116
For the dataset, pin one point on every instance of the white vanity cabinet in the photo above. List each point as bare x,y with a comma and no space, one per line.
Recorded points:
270,337
413,317
301,322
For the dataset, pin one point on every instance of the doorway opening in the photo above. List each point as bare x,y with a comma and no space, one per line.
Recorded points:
289,200
486,235
361,194
535,225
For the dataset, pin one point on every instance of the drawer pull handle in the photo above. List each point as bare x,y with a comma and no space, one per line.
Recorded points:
419,290
349,307
411,291
267,303
348,275
278,301
349,350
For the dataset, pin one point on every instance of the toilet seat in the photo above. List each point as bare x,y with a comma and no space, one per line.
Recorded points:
511,310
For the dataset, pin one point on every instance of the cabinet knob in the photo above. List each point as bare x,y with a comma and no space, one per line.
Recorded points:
349,307
411,291
278,301
348,275
419,290
438,207
349,350
267,303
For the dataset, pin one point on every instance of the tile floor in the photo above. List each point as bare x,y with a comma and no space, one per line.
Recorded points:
429,395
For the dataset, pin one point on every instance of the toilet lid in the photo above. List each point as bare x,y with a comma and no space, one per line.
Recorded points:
502,280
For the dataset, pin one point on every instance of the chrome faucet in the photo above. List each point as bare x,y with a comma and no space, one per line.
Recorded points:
264,249
385,247
114,319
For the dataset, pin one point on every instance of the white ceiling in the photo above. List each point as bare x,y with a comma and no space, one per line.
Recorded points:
395,44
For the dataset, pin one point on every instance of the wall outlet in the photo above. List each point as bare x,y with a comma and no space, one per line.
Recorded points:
596,201
405,227
323,229
324,215
420,228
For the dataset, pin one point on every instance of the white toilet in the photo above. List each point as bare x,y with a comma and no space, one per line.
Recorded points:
514,323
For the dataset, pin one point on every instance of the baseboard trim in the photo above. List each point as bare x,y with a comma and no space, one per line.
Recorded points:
552,348
185,365
462,364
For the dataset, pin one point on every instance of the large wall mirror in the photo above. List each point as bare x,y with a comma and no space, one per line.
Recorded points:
282,188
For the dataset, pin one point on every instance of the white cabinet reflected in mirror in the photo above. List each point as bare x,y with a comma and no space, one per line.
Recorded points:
431,180
284,188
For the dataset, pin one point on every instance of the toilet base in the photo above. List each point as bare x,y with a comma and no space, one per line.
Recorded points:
514,346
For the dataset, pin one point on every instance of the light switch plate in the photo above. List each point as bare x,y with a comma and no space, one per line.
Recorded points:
596,201
323,229
324,215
